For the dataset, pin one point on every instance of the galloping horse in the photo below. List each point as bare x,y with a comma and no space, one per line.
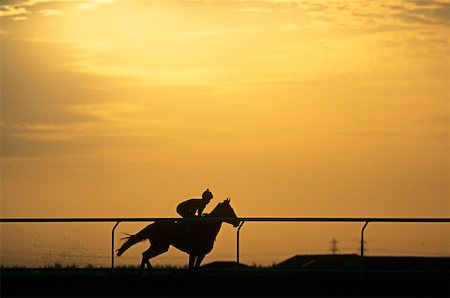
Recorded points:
196,238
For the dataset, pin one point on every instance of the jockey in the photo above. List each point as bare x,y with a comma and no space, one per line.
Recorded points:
194,207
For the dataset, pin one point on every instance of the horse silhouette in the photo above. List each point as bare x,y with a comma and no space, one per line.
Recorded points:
196,238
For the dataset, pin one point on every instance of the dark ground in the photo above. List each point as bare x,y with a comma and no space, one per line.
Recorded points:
223,283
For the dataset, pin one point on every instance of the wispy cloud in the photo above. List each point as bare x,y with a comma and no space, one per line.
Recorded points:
87,57
12,11
109,111
256,10
93,4
19,18
422,12
212,32
221,31
51,12
154,76
289,26
114,129
441,119
109,120
19,10
435,14
397,134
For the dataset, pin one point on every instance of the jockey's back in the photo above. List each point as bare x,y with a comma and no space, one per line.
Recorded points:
191,207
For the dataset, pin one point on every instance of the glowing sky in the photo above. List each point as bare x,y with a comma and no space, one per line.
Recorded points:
291,108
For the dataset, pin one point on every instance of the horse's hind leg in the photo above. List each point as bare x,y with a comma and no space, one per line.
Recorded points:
145,262
152,252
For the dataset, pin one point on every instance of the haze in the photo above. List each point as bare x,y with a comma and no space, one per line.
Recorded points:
291,108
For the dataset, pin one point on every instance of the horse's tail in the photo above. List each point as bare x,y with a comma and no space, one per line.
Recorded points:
145,233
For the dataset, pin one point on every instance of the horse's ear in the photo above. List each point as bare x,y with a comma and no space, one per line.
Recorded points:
228,200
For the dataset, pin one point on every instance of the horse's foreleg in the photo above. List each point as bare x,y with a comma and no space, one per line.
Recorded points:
143,263
191,262
198,261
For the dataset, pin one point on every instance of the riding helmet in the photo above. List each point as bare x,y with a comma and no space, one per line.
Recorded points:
207,195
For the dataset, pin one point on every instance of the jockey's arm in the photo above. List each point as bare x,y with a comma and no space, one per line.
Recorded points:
200,211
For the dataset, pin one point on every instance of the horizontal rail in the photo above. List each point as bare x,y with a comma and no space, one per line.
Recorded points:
116,220
245,219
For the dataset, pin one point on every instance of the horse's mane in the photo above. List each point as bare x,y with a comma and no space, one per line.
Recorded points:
217,208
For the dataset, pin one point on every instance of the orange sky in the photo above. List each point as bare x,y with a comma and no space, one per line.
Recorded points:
291,108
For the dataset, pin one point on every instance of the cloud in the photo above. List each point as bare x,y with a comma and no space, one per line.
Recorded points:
441,119
94,4
45,132
115,129
289,26
256,10
20,18
88,59
17,11
212,32
420,12
12,11
51,12
396,134
412,12
423,2
221,31
108,120
110,111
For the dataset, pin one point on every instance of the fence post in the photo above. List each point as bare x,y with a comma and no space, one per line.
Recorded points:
112,244
237,241
362,249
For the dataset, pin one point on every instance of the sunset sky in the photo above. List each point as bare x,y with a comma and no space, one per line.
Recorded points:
290,107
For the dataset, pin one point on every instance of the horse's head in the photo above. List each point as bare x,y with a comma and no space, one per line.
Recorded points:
224,209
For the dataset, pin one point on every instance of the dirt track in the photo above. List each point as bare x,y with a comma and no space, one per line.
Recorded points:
177,283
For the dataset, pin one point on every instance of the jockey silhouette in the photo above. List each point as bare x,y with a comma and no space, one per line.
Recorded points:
194,207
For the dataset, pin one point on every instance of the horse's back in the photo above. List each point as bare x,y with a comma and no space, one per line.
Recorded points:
160,231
